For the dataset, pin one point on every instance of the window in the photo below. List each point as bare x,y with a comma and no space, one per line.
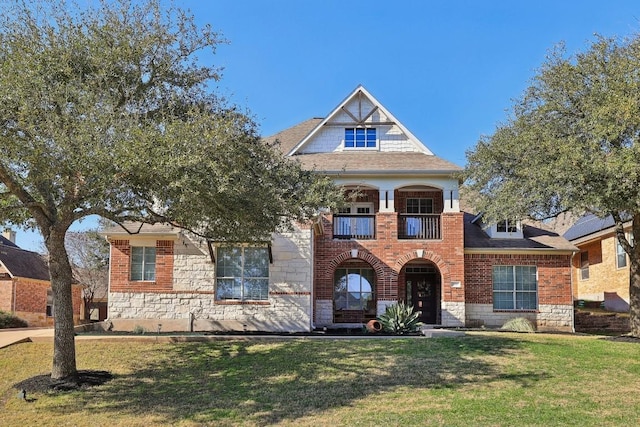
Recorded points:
507,227
621,255
242,273
143,263
360,138
353,289
515,287
49,309
420,206
354,221
584,265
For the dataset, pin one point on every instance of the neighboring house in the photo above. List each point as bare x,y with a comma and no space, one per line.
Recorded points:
25,288
601,269
402,237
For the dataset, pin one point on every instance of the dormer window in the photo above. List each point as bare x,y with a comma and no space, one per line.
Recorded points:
360,138
507,227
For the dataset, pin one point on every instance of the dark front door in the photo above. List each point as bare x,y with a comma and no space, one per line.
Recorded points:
422,294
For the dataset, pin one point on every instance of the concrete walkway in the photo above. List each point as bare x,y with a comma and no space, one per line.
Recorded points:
18,335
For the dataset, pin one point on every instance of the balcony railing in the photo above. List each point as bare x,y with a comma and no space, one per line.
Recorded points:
360,227
415,226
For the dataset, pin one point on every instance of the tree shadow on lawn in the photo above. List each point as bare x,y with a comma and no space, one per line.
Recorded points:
266,382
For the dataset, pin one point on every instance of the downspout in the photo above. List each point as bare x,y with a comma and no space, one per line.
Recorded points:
573,311
312,259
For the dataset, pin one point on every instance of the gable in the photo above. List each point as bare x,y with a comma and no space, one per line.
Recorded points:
361,111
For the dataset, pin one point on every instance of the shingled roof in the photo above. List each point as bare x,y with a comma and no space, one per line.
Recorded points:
21,263
344,162
6,242
534,239
290,137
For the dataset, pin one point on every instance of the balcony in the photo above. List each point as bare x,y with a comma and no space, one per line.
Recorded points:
349,226
419,226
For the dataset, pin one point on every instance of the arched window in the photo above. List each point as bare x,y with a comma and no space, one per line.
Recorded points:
354,289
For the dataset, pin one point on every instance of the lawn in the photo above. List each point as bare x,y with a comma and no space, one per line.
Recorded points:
484,378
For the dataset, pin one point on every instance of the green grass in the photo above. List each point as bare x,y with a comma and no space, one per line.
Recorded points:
487,378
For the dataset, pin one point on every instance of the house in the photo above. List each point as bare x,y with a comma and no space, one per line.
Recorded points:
402,237
25,287
601,268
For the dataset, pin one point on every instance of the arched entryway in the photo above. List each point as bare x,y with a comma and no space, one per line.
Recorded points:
423,284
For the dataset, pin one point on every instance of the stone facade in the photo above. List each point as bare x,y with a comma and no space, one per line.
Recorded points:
184,298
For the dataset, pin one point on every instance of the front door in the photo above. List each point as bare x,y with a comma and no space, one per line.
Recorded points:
422,290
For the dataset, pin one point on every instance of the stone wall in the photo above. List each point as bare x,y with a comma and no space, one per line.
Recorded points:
189,303
546,318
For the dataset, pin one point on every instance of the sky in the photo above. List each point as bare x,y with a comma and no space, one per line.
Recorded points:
449,70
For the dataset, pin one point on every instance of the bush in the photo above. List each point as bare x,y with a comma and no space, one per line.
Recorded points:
139,330
8,320
519,324
400,319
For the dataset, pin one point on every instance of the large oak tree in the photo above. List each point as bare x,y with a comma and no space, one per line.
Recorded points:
106,110
571,144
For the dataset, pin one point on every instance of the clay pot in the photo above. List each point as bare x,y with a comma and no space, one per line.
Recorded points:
374,326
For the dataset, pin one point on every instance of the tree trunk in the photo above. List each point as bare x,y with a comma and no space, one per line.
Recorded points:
634,279
64,351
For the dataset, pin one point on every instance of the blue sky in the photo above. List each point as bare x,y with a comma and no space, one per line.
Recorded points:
448,70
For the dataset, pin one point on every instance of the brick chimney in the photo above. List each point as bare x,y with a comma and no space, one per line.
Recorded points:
10,235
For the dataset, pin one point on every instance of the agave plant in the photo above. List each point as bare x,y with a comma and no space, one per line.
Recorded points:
400,319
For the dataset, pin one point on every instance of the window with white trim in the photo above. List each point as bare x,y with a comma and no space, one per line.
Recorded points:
143,263
49,309
507,226
360,138
584,265
242,273
621,255
515,287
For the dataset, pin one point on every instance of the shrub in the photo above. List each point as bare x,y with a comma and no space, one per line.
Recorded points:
519,324
8,320
139,330
400,319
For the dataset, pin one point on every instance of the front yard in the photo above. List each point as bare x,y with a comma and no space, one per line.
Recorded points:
485,378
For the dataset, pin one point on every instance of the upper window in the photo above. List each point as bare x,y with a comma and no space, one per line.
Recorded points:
360,138
242,273
507,227
143,263
420,206
584,265
515,287
353,289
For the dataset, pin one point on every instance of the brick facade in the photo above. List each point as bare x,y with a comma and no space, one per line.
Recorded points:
555,300
121,268
27,299
388,256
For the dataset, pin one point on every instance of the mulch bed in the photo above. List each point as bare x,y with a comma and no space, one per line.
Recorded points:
44,383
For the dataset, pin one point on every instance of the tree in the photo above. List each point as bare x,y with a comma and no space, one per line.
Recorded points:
89,257
572,144
105,110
